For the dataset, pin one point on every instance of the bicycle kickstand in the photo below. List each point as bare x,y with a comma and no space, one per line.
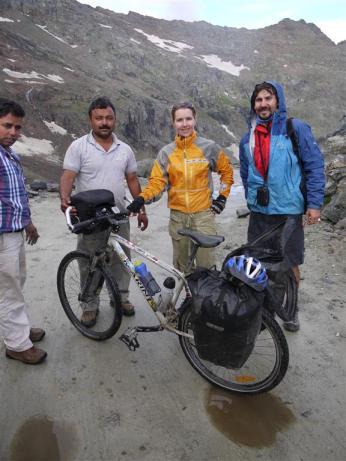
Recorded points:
129,337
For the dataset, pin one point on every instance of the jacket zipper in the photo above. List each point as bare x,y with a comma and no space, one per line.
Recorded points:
185,175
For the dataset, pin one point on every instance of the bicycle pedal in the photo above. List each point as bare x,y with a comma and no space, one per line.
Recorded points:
130,339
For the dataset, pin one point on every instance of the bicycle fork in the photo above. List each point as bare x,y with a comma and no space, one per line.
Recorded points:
93,282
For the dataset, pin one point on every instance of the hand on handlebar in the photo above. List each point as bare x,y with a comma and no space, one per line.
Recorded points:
135,209
65,203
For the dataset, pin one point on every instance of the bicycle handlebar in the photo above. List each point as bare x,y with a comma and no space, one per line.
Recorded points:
111,218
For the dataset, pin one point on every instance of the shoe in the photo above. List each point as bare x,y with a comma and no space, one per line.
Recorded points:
31,356
292,325
88,318
128,309
36,334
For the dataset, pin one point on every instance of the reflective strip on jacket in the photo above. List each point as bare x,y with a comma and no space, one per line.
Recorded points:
184,168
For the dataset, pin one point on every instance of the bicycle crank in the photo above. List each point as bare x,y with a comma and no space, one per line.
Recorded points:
129,337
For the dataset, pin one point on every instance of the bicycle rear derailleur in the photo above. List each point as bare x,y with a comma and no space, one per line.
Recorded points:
129,337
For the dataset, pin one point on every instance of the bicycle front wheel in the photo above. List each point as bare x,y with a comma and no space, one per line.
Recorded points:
81,288
264,369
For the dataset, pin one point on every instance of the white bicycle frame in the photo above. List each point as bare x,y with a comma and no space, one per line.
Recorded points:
115,241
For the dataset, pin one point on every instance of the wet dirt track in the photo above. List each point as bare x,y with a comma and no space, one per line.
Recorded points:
100,401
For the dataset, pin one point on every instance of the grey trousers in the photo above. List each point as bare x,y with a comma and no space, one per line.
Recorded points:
91,243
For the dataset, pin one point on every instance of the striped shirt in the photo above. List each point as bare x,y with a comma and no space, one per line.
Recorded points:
14,203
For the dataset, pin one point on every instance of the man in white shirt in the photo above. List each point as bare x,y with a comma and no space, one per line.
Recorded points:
99,160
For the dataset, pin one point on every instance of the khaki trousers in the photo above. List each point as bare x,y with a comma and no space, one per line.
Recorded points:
98,241
14,321
203,221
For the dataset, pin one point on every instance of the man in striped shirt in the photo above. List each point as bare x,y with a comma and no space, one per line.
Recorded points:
14,220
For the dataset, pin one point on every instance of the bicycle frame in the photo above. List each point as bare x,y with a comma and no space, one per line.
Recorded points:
264,368
115,242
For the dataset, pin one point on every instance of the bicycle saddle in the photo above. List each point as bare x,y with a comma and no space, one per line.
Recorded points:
203,240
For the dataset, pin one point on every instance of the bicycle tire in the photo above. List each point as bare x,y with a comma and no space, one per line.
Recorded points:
109,302
249,379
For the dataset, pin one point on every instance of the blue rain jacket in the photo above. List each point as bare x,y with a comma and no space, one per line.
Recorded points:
284,173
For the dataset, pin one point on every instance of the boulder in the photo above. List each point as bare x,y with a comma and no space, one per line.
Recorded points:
341,224
37,184
242,212
52,187
335,210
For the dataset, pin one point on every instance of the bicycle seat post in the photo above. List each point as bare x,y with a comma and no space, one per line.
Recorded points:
195,248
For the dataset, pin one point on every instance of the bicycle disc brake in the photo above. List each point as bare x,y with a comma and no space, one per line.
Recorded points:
129,337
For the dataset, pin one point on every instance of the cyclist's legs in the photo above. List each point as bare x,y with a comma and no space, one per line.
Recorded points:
116,267
204,222
181,245
89,244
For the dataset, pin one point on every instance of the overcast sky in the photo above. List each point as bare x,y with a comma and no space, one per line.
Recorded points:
328,15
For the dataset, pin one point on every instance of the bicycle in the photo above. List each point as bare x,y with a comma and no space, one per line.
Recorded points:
264,369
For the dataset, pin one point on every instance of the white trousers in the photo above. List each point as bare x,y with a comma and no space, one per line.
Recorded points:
14,321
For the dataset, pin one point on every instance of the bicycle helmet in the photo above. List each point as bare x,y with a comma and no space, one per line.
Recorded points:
249,270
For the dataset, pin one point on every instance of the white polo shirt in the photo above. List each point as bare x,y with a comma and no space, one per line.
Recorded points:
100,169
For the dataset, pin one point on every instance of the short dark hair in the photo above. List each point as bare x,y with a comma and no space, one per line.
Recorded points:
263,86
11,107
100,103
183,105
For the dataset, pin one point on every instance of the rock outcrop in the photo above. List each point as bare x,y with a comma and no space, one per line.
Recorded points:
57,55
335,149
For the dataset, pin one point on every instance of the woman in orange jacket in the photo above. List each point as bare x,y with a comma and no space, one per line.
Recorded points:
184,168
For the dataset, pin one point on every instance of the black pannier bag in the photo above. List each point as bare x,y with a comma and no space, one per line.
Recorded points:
226,317
281,294
89,205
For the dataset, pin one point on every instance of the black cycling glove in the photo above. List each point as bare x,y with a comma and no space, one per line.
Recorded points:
136,205
218,204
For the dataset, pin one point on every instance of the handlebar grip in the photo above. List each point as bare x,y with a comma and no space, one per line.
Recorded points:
77,228
113,219
122,215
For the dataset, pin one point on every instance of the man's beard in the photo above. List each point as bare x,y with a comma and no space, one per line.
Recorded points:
103,134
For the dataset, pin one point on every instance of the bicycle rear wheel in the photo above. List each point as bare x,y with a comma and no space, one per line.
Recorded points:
97,286
264,369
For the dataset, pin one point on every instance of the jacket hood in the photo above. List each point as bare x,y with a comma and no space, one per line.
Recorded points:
279,119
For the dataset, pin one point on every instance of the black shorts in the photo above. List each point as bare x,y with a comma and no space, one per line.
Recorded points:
294,249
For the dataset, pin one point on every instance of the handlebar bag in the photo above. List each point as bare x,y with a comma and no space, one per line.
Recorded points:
226,318
89,205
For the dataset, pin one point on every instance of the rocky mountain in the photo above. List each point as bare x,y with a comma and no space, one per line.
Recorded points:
334,147
57,55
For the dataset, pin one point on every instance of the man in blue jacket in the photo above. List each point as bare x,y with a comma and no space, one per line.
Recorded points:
272,174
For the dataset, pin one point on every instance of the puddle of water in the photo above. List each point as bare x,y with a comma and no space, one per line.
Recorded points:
41,439
248,420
